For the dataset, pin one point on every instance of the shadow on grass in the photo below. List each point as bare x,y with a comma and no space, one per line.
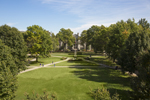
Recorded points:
105,61
114,79
34,62
81,63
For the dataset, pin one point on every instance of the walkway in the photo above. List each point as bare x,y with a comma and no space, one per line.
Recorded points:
44,66
47,65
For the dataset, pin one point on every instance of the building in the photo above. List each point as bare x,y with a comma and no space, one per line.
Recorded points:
76,46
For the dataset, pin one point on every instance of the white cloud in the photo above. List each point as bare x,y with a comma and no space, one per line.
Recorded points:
100,12
11,24
87,26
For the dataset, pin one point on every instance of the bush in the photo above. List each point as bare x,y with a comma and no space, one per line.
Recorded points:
103,94
71,53
79,59
45,96
63,58
79,53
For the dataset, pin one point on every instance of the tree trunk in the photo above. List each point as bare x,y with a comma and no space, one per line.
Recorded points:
36,58
64,47
86,47
113,59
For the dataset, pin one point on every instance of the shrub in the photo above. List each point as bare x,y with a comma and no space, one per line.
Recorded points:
103,94
63,58
71,53
45,96
79,53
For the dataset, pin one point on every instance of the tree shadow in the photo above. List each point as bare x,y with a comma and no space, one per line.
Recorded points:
81,63
34,62
114,80
105,61
98,74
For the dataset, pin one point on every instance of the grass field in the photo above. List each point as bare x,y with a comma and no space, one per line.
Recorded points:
45,61
73,83
67,55
76,63
103,60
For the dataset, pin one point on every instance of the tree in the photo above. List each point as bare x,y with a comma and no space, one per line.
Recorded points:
92,32
14,39
66,36
83,38
144,23
8,72
55,42
38,41
141,84
136,58
98,37
137,43
119,34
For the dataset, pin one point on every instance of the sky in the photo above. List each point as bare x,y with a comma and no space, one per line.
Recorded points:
77,15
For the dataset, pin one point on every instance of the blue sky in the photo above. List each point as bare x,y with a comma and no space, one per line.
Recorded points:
78,15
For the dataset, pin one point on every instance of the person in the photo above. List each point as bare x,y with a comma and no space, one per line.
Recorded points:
43,65
52,62
116,67
40,64
54,65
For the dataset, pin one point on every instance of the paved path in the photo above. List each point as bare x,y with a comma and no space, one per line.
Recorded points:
74,66
44,66
47,65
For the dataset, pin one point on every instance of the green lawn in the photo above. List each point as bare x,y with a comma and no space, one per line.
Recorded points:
103,60
73,83
76,63
44,61
67,55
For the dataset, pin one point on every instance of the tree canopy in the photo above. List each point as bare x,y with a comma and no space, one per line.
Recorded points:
66,36
38,41
14,39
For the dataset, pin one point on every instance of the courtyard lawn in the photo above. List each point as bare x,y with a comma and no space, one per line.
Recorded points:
72,83
103,60
44,61
67,55
76,63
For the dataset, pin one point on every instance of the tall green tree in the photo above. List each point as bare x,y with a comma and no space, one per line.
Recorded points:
137,43
119,34
8,72
38,41
13,38
135,58
141,84
83,38
144,23
55,41
98,37
92,32
66,36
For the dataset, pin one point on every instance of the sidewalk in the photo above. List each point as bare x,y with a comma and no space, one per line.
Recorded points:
44,66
